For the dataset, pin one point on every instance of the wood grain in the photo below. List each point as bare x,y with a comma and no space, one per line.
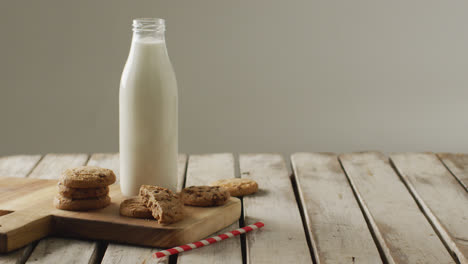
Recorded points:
123,254
458,165
118,253
17,166
17,256
335,222
439,194
203,169
65,250
283,239
403,232
52,165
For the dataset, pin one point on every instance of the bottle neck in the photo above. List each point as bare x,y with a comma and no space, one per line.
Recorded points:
149,29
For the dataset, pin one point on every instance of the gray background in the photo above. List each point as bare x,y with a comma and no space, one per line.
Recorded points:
254,76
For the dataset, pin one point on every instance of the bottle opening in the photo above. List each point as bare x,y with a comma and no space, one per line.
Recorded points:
149,24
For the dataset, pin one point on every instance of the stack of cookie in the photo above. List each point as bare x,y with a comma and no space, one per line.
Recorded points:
84,188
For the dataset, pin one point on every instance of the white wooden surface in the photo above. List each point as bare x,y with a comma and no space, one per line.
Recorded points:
336,224
17,166
60,250
403,231
283,239
123,254
63,250
458,165
443,199
202,170
181,169
118,253
52,165
17,256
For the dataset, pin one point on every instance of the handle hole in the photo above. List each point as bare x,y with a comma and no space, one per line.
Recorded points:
5,212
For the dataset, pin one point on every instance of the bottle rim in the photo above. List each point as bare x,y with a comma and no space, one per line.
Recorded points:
149,24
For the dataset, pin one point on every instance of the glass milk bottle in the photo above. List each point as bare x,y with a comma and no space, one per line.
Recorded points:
148,111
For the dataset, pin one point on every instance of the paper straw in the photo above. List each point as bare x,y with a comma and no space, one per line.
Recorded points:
208,241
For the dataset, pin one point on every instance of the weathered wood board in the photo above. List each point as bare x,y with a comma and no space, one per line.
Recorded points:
283,239
401,229
336,225
440,195
202,170
457,163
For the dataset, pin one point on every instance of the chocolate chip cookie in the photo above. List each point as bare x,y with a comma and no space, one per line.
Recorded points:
134,207
204,195
237,186
87,177
70,204
82,193
166,207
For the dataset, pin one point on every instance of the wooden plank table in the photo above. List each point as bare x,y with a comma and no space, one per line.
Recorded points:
328,208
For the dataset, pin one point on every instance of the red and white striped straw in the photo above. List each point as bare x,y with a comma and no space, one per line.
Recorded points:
208,241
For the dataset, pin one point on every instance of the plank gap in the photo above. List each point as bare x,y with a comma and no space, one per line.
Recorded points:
35,166
242,236
5,212
313,254
27,252
431,218
88,159
173,259
98,253
185,174
459,180
376,236
243,239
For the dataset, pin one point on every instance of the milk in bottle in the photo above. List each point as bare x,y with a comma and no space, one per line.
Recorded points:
148,112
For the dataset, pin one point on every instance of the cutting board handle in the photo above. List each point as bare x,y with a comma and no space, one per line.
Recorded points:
20,228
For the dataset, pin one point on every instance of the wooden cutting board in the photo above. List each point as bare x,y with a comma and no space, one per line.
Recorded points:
27,214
